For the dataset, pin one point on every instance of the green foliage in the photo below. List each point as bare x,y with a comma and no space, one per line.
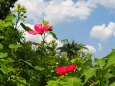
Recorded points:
110,58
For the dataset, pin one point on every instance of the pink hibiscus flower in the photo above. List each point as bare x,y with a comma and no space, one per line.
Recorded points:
39,29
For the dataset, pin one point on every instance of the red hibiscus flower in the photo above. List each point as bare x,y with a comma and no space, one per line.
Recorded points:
39,29
71,68
62,70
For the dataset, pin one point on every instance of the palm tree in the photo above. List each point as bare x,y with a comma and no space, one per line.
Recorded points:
71,48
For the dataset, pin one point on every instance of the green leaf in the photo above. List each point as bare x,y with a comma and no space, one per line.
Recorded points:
77,60
6,69
108,76
1,37
110,58
22,82
25,27
7,24
10,17
1,46
39,68
90,72
14,46
2,23
2,55
113,84
72,81
100,62
53,34
53,83
28,63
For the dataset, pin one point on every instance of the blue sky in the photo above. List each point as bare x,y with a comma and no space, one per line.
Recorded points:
80,30
91,22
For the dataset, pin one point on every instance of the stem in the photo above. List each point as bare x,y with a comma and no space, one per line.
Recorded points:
43,37
46,36
17,19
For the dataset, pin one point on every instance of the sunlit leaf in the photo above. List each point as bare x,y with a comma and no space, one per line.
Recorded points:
39,68
113,84
2,55
14,46
100,62
10,17
88,73
110,58
1,46
28,63
72,81
1,37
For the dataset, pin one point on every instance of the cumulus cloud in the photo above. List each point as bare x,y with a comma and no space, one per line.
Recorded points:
62,10
91,49
55,10
103,32
106,3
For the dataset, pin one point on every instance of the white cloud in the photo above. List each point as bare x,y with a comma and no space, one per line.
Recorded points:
91,49
114,34
106,3
55,10
103,32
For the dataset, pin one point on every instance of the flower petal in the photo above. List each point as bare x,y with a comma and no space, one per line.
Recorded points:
47,28
38,28
61,70
32,32
71,68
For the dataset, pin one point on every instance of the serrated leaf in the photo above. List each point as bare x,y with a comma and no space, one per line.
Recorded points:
14,46
100,62
110,58
88,73
25,27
